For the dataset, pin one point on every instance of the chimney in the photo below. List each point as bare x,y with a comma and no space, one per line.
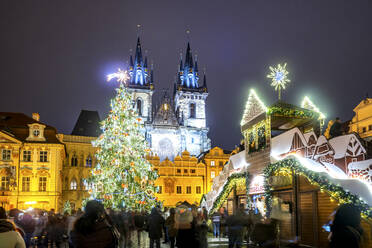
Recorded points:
36,116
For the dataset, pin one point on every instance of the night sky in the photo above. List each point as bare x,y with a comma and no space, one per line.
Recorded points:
54,55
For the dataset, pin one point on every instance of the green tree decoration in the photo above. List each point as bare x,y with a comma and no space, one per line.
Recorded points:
123,178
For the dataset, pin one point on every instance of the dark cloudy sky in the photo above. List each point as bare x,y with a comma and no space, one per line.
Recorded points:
54,55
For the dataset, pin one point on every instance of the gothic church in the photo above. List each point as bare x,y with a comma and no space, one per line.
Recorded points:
179,122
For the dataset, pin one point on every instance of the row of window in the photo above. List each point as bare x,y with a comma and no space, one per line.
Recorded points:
74,161
179,190
27,155
26,184
186,171
213,163
74,184
364,129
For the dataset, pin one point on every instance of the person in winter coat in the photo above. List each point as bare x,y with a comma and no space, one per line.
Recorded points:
346,230
9,237
94,229
216,220
28,225
186,228
170,223
155,224
139,223
236,224
201,230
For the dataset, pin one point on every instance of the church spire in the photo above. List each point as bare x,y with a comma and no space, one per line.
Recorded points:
188,73
138,69
138,56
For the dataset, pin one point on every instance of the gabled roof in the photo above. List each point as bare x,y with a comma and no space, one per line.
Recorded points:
165,115
363,103
16,124
282,143
308,135
340,144
87,124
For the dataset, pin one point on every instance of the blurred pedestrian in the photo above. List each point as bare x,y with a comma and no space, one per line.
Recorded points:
9,237
28,225
139,223
216,220
236,224
155,224
346,230
170,223
94,229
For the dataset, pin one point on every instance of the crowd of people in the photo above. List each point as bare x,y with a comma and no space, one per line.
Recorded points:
180,227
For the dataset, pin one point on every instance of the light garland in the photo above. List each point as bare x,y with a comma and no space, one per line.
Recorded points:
335,191
232,181
308,104
253,107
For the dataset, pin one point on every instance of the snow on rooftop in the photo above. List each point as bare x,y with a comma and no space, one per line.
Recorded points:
360,165
321,140
238,160
340,144
282,143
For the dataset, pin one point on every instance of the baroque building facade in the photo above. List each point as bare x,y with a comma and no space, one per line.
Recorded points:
30,164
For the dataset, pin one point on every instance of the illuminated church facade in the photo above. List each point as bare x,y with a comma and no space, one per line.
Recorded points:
179,123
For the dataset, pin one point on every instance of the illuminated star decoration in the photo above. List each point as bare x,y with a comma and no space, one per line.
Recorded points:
279,77
121,76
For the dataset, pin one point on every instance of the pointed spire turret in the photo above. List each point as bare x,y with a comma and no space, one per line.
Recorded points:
138,56
188,72
138,69
145,64
131,61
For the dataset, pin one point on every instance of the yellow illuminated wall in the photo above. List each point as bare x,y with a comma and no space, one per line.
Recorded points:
362,121
26,179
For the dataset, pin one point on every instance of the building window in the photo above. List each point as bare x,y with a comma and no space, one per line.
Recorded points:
185,171
5,183
220,163
26,156
160,190
192,110
192,171
198,189
86,185
74,161
43,156
139,106
192,140
73,185
178,170
213,174
6,154
370,127
188,190
72,205
212,163
42,184
179,189
88,161
364,129
26,184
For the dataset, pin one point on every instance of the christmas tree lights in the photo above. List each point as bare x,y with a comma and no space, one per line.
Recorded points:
123,177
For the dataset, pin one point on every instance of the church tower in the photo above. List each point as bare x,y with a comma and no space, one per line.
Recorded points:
190,96
189,99
141,84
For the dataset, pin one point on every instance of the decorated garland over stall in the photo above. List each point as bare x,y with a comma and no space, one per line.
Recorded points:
335,191
234,179
290,112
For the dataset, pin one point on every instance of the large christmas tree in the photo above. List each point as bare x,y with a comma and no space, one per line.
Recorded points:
123,177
